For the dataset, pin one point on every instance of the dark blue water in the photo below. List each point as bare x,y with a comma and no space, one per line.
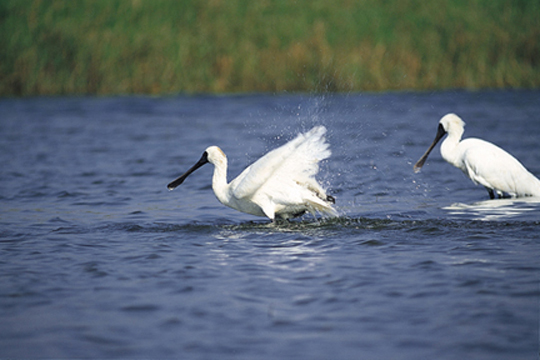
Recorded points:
99,260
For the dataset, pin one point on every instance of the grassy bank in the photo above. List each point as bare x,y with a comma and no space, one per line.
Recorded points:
160,47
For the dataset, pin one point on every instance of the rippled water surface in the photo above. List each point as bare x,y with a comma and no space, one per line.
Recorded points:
99,260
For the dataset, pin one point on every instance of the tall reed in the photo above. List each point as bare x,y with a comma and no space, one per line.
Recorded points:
162,46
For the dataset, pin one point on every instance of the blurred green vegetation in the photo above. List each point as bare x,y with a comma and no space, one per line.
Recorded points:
163,46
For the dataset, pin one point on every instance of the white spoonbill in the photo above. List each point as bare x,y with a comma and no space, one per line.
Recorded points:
281,183
484,163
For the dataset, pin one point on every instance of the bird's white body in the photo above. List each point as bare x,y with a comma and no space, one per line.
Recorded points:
281,183
484,163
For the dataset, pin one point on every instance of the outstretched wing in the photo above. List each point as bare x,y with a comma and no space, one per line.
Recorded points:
297,159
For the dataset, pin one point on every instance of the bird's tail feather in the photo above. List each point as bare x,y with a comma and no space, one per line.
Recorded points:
322,208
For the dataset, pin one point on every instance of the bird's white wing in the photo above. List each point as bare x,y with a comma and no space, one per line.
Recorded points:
297,158
489,165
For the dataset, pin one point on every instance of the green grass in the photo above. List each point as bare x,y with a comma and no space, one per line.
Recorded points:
162,47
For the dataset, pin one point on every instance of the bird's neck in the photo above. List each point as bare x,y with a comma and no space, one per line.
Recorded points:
449,148
219,181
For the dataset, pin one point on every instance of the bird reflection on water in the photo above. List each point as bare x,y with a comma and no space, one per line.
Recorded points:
496,209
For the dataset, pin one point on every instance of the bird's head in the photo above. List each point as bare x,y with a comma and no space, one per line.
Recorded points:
452,124
215,155
212,155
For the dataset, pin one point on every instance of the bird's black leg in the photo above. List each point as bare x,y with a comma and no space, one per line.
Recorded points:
491,193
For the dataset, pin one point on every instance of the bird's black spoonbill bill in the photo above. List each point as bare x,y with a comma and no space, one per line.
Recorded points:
484,163
281,183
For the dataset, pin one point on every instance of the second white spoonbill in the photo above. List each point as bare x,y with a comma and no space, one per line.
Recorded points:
484,163
281,183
